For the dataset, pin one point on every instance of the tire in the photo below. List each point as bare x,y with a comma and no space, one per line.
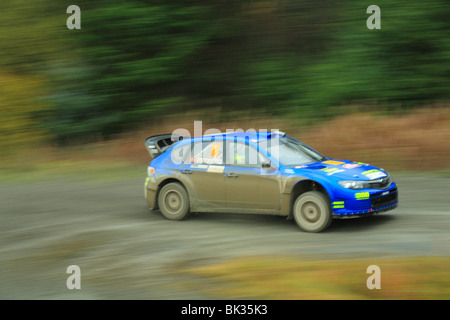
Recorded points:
312,211
173,201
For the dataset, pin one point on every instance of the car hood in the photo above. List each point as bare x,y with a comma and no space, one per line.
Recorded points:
341,170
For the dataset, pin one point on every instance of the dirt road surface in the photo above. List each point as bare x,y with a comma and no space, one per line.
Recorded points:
125,251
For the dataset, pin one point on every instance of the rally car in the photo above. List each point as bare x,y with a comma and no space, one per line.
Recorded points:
263,173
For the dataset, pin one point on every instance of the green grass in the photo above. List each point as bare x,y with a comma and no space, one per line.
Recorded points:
291,278
94,171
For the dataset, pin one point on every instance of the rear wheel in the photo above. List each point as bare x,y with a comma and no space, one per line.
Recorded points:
173,201
312,211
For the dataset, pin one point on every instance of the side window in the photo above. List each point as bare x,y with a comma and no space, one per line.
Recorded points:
207,152
181,154
242,154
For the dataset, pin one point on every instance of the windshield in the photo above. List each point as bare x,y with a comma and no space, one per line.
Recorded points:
292,152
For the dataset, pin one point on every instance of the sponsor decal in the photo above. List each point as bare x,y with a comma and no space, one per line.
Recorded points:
351,165
216,169
338,205
289,171
199,166
374,174
333,162
336,171
331,171
208,161
362,195
215,150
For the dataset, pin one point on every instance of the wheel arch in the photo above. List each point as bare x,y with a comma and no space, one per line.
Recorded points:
166,182
303,186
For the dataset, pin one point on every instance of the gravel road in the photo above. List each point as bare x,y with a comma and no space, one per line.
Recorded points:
125,251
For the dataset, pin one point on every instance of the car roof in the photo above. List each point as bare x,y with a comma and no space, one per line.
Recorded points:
242,136
251,135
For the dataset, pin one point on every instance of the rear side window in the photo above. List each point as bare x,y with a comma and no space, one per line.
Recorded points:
207,152
181,154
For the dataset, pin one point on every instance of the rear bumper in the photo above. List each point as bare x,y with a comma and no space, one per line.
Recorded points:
150,198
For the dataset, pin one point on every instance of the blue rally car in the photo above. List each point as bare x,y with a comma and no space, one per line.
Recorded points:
266,173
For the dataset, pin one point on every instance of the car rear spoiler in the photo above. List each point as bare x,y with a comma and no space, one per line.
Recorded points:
157,145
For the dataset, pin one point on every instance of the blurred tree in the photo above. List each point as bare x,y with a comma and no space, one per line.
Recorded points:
151,57
18,111
406,62
30,40
133,61
29,34
136,55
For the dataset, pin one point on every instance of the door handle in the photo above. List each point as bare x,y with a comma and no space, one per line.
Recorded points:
186,171
231,175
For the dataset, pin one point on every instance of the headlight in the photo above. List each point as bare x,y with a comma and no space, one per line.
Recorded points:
352,184
381,183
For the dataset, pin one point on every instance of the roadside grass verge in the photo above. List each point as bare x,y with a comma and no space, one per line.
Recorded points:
415,141
411,142
87,171
290,278
74,164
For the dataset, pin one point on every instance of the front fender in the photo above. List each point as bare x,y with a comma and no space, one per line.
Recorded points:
289,182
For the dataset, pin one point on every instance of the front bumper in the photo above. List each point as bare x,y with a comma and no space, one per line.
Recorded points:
365,203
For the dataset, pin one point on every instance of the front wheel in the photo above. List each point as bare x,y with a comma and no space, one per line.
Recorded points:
312,211
173,201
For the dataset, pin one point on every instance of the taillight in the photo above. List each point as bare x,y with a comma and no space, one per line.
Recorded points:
150,171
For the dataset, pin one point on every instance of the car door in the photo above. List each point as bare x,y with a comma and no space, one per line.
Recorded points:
204,170
248,185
